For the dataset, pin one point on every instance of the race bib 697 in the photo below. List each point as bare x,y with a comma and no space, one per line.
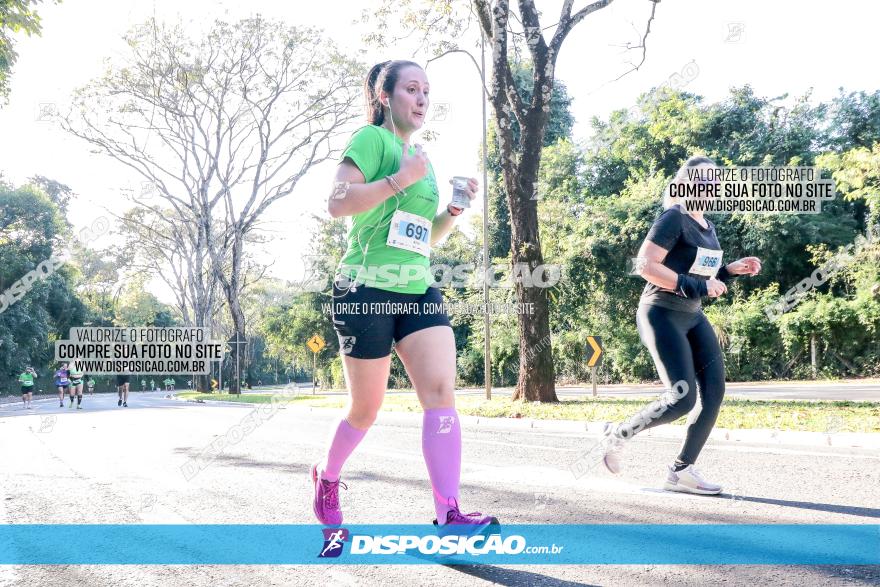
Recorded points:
410,232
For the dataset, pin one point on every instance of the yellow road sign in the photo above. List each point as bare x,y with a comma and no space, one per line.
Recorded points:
316,343
595,343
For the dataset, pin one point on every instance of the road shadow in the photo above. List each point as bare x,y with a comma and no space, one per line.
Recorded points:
808,505
804,505
247,462
501,576
869,574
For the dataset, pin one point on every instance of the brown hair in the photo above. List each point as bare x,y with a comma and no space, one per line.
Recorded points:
382,77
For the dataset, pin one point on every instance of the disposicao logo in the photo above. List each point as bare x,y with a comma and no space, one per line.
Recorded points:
443,545
432,544
334,538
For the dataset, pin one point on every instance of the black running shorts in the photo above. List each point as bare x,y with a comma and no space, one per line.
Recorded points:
367,320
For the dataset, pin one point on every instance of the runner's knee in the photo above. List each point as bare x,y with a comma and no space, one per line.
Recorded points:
681,400
437,395
362,418
363,412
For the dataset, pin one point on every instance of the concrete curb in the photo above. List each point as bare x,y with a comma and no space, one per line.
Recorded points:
869,440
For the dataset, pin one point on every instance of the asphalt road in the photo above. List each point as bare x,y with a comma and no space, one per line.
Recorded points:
106,464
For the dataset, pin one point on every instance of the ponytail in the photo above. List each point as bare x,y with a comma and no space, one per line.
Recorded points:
375,113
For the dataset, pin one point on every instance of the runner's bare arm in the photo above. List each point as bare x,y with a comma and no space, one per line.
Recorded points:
442,225
650,261
352,195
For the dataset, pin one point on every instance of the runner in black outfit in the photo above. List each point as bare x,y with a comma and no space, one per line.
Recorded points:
122,383
681,261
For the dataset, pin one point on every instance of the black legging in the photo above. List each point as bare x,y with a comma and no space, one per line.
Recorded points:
684,348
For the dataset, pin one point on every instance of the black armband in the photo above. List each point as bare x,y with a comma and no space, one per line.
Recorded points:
691,287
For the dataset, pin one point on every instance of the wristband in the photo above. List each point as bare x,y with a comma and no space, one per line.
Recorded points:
394,185
724,274
691,287
450,208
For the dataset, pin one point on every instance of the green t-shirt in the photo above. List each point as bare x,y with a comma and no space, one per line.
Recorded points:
369,259
26,380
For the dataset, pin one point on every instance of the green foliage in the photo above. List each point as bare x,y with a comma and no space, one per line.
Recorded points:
288,327
598,201
16,16
598,297
29,227
596,221
752,345
31,230
138,307
655,137
854,121
856,173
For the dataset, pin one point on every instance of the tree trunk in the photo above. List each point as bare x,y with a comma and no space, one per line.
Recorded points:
231,289
536,381
814,351
520,168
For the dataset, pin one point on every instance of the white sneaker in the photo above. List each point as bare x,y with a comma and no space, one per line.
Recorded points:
689,480
613,451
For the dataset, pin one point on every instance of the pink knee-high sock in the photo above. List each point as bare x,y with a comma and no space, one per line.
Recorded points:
441,445
345,440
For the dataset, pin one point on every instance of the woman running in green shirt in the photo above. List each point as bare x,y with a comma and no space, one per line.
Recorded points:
26,380
382,294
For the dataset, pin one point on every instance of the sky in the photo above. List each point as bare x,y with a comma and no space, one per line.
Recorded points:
778,47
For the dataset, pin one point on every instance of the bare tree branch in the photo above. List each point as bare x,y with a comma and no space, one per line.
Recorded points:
223,127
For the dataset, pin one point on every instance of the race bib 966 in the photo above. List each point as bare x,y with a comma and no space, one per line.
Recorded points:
707,262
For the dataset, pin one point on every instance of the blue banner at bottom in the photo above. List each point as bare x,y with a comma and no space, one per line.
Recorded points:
614,544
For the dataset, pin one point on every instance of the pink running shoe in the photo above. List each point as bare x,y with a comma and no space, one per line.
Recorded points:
468,524
326,502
